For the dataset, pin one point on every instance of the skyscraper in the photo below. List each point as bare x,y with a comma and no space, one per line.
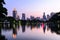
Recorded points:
23,16
14,13
48,17
44,16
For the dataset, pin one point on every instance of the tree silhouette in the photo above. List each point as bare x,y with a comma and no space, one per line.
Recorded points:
3,10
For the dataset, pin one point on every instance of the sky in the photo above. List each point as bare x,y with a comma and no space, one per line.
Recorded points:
32,7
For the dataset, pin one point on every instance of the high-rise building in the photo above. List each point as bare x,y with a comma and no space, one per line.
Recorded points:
44,16
32,18
14,13
23,16
48,17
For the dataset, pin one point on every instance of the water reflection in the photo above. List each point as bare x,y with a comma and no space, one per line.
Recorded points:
23,24
44,27
23,28
2,37
14,32
53,26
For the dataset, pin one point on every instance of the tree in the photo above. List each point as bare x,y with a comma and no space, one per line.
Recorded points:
3,10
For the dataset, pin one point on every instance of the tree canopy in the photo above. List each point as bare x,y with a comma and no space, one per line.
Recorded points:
3,10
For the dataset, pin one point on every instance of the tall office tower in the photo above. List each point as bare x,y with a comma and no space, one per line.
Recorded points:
44,16
14,13
48,17
23,16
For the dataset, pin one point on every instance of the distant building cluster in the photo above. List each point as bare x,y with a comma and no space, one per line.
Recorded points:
44,17
47,17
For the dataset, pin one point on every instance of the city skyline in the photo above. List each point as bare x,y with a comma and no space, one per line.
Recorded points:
32,7
44,17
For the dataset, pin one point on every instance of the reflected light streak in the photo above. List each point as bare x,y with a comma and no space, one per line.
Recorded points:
14,36
42,25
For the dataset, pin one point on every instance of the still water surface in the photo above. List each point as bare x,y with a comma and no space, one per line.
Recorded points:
37,32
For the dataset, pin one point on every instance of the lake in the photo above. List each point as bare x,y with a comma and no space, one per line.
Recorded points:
39,31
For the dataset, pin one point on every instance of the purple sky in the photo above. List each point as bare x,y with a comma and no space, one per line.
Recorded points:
32,7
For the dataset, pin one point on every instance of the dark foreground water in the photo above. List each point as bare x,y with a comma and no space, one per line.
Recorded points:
40,31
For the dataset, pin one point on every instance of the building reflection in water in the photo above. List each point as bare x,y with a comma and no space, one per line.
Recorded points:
14,32
23,28
23,25
53,26
43,26
38,25
34,25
